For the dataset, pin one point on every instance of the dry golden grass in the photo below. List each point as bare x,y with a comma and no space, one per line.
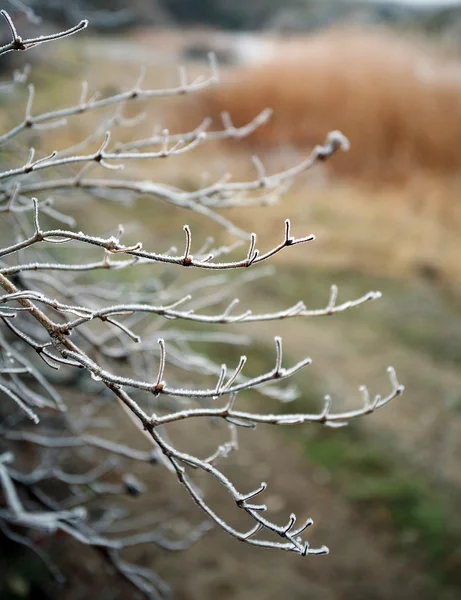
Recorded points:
398,101
411,231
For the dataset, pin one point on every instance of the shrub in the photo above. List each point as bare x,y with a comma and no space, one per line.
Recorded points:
80,316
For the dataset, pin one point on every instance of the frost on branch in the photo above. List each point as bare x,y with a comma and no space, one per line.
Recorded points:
121,344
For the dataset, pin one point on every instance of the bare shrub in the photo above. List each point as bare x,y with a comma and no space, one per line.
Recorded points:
84,338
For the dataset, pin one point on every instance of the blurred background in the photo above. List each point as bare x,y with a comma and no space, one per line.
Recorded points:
385,492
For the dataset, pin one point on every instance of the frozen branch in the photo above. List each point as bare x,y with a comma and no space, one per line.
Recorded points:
18,43
93,344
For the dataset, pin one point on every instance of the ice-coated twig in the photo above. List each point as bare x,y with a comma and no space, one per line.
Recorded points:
18,43
325,417
95,103
113,246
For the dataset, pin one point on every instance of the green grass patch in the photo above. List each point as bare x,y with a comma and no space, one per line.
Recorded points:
386,489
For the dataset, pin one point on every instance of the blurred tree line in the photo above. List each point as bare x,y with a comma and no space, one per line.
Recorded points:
238,14
289,15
